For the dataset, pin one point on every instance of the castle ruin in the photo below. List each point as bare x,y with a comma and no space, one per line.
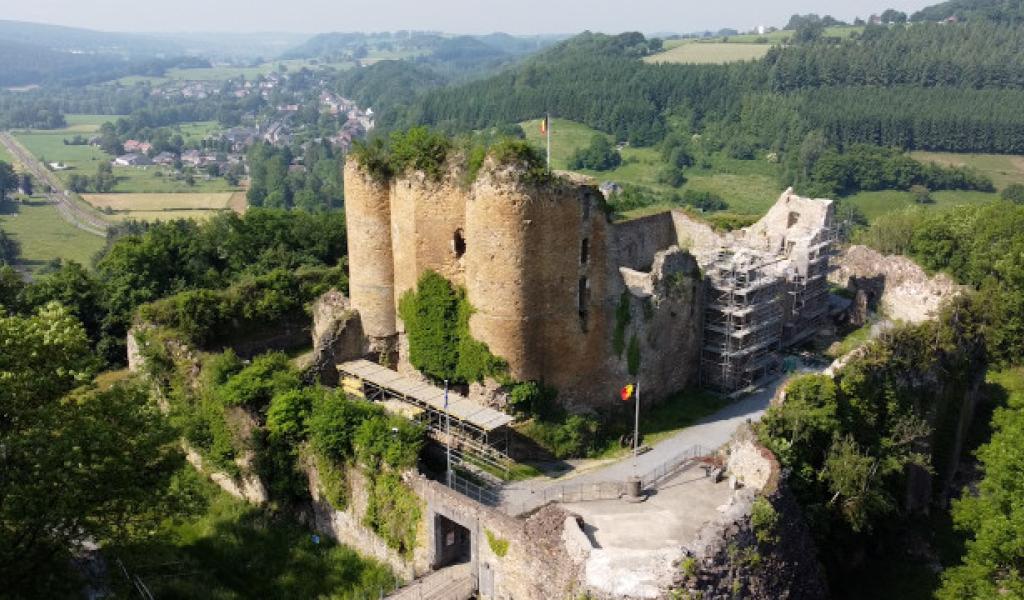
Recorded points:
583,303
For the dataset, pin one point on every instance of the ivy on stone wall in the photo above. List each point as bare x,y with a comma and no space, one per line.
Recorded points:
622,319
436,317
633,356
394,512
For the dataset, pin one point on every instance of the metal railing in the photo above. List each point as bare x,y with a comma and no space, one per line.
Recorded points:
481,494
670,467
606,490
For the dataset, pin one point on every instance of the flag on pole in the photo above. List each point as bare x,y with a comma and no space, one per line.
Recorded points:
626,392
544,125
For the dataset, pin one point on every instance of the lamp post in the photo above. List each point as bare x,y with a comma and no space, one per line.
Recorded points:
447,437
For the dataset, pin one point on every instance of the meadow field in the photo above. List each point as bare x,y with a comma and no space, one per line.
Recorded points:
717,53
44,235
875,204
1003,169
165,206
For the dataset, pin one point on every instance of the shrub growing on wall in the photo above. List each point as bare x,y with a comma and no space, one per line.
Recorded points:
436,317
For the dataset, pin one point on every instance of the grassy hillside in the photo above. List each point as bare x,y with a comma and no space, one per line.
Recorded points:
229,549
748,186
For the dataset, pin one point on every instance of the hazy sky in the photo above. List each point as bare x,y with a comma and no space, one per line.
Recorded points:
456,16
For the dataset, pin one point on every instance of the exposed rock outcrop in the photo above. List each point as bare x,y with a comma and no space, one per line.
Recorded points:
740,555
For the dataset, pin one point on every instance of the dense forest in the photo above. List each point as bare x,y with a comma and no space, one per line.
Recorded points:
924,86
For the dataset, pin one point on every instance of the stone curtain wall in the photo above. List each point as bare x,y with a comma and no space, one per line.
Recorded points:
536,564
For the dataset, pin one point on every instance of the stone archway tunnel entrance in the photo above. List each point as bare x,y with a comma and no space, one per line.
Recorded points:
453,543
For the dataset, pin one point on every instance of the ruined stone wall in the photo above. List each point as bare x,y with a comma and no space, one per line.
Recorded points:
790,216
638,240
695,236
895,285
371,264
666,307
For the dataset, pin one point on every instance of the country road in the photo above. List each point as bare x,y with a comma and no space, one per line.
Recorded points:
79,216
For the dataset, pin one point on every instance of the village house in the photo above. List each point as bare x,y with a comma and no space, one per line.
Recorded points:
137,147
164,158
132,160
192,157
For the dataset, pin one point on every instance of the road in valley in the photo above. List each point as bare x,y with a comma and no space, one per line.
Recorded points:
75,214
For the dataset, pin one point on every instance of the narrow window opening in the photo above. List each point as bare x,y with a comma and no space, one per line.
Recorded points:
459,243
583,301
585,251
793,218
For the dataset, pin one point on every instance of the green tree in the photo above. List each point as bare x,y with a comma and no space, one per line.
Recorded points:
8,179
599,155
992,515
92,466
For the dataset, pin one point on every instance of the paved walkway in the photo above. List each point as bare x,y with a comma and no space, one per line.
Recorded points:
711,433
450,583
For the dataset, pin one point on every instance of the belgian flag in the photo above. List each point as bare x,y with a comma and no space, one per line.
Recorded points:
544,125
626,392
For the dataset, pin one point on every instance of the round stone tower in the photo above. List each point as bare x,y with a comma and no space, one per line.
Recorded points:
371,264
496,249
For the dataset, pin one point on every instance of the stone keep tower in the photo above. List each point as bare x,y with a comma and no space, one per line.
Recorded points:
537,261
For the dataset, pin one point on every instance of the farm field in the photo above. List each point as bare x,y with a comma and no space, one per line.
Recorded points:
710,53
86,123
160,207
50,147
774,37
875,204
1003,169
44,235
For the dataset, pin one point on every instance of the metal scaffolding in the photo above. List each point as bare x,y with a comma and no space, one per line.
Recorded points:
743,319
807,289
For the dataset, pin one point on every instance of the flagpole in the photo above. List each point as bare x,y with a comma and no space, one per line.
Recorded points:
636,423
547,120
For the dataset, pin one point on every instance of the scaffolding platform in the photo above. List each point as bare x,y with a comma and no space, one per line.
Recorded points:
473,427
